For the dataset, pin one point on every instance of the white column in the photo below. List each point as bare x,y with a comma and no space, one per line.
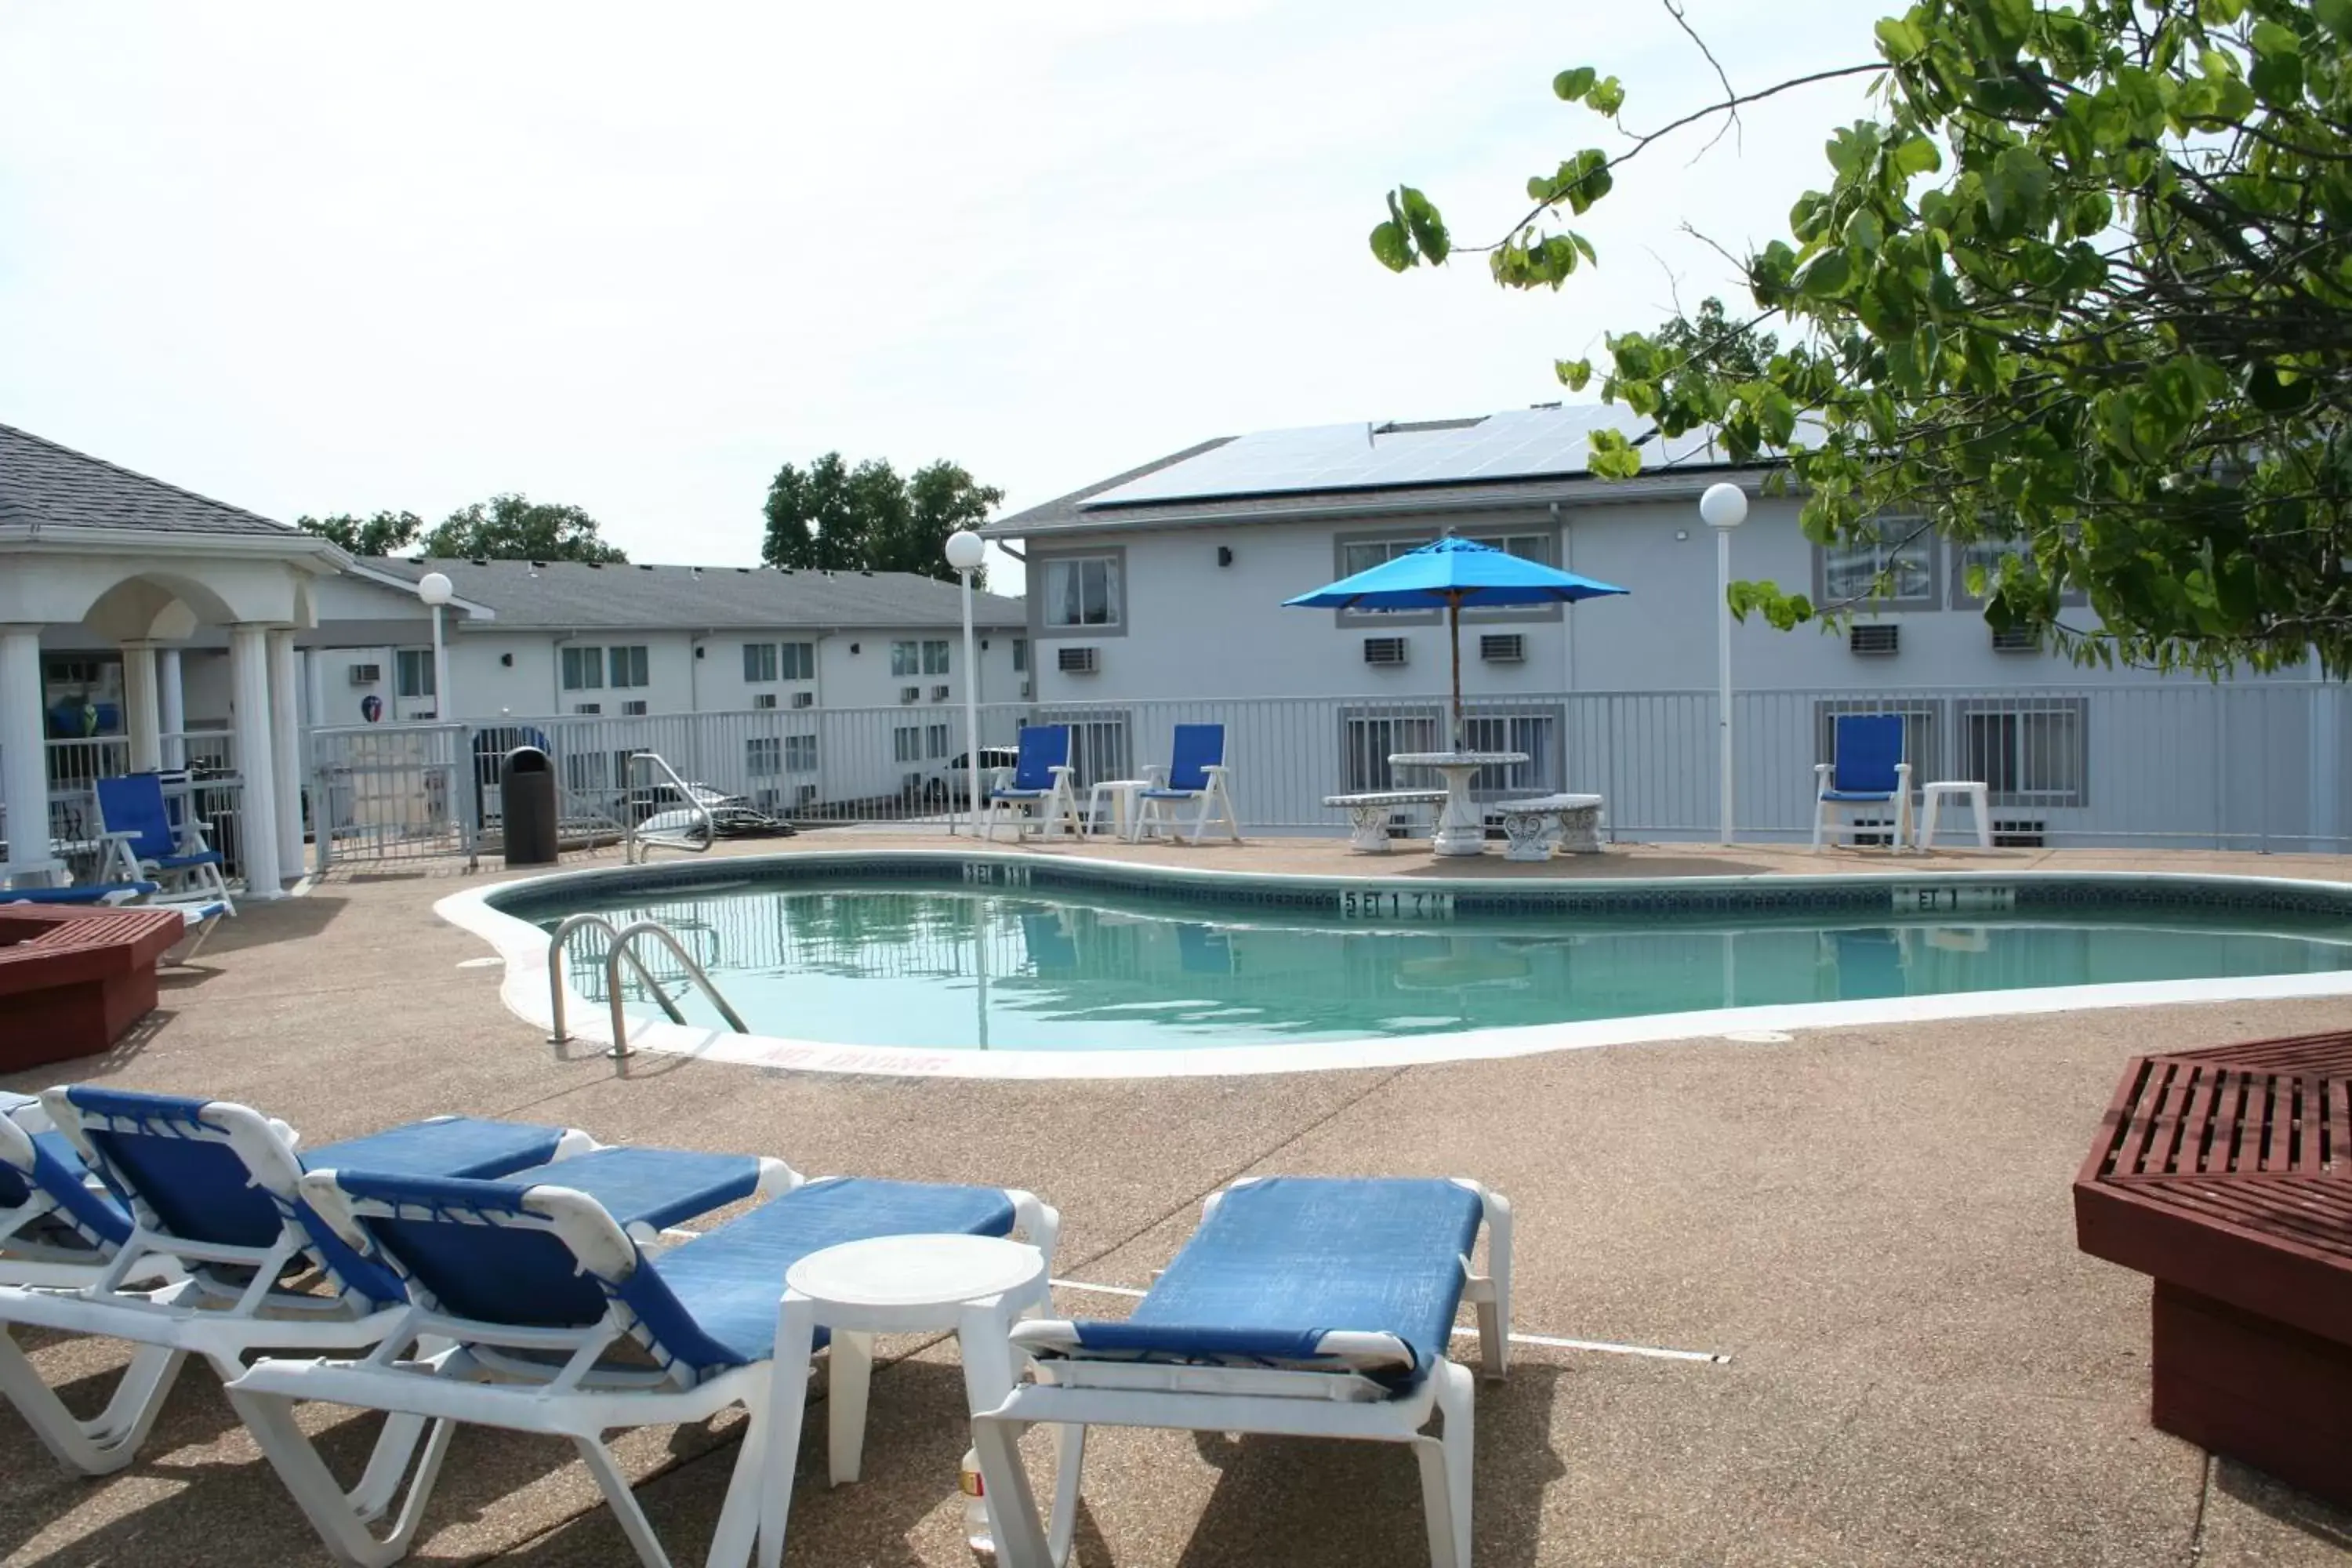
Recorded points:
286,751
24,753
170,708
314,672
141,717
257,827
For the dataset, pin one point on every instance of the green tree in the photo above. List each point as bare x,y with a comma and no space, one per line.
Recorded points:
383,534
833,517
515,528
1711,344
2082,281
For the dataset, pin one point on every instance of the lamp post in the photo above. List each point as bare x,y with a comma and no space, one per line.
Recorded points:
1723,508
435,589
964,553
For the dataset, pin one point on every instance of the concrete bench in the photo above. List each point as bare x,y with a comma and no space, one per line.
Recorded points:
1528,824
1369,813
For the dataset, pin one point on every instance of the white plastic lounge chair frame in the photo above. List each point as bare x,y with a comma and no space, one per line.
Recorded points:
195,1314
579,1397
1215,800
1075,1394
27,1255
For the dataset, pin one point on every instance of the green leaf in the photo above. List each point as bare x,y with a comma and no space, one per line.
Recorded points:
1573,372
1901,40
2277,75
1428,229
1572,85
1826,276
2336,16
2274,393
1607,97
1917,154
1389,246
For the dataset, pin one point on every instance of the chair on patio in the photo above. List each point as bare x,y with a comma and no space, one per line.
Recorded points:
136,823
209,1192
1041,779
57,1225
543,1314
1865,770
1302,1307
1196,775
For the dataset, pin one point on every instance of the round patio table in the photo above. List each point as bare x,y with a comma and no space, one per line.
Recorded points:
1460,828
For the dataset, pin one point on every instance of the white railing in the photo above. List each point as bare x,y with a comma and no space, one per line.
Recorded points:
2249,765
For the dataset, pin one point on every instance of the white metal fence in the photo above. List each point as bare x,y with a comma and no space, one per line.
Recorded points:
2173,764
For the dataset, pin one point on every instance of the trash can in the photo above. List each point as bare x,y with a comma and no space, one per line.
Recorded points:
526,803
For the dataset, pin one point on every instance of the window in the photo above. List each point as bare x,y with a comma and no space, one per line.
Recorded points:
1020,654
799,661
1536,734
906,658
1082,591
935,657
1361,554
1893,556
1098,745
2027,750
1987,556
1919,730
800,753
628,666
1367,739
763,755
906,744
935,740
412,672
583,669
759,663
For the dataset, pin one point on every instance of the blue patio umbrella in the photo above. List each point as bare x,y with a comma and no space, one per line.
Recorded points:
1453,572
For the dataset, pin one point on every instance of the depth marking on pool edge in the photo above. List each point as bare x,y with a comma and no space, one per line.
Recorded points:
1714,1358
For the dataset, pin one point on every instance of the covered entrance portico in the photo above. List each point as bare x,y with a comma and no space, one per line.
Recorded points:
97,560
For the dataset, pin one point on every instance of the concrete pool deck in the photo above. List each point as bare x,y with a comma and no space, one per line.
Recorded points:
1873,1224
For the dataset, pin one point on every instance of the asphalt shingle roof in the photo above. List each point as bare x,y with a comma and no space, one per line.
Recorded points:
572,594
43,485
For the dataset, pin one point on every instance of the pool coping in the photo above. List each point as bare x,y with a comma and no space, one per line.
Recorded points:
524,988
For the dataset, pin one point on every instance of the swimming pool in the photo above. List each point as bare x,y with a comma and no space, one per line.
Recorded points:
931,957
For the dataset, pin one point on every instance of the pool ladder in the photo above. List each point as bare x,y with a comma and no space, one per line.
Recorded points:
637,844
621,944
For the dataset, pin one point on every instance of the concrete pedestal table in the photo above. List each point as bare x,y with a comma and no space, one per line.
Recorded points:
978,1286
1461,830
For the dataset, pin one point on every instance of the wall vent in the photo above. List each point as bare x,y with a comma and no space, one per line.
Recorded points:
588,707
909,693
1503,647
366,674
1026,690
2018,833
802,700
634,708
1384,650
764,699
1076,660
1877,641
2016,640
938,694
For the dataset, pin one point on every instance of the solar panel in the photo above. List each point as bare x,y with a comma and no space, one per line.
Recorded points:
1521,444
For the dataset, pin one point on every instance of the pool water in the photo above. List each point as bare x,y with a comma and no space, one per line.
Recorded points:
890,965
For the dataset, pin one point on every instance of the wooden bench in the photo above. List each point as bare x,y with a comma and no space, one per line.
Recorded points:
1369,813
74,979
1528,824
2226,1175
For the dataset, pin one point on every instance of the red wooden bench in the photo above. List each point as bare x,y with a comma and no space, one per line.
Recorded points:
72,981
2226,1174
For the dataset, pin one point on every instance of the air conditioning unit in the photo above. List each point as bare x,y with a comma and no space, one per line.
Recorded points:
2016,640
2018,833
764,699
634,709
366,674
808,795
1874,640
1503,647
804,698
938,694
1384,650
1076,660
908,693
591,708
1028,689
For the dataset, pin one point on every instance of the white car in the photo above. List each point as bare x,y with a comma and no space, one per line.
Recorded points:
951,779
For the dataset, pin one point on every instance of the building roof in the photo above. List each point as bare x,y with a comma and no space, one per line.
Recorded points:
569,594
46,486
1516,458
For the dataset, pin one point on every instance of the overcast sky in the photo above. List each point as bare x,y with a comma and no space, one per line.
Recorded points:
309,257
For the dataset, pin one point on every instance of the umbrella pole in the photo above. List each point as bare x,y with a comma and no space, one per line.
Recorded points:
1454,634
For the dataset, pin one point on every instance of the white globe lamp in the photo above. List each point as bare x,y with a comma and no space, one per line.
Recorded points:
964,553
435,589
1723,508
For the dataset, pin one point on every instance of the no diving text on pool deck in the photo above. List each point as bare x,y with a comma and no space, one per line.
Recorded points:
1394,904
1927,899
986,871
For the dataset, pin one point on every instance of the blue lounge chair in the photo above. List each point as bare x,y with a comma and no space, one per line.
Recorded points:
209,1190
58,1226
1041,779
1196,775
1305,1307
1866,769
528,1286
136,823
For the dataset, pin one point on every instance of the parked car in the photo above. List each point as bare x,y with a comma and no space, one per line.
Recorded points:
665,808
949,784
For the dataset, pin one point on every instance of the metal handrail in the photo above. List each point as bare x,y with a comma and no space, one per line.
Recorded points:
634,848
619,944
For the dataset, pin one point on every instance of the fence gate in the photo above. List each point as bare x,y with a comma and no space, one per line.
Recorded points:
391,791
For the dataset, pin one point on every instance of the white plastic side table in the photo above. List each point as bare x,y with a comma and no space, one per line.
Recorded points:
978,1286
1127,801
1932,796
